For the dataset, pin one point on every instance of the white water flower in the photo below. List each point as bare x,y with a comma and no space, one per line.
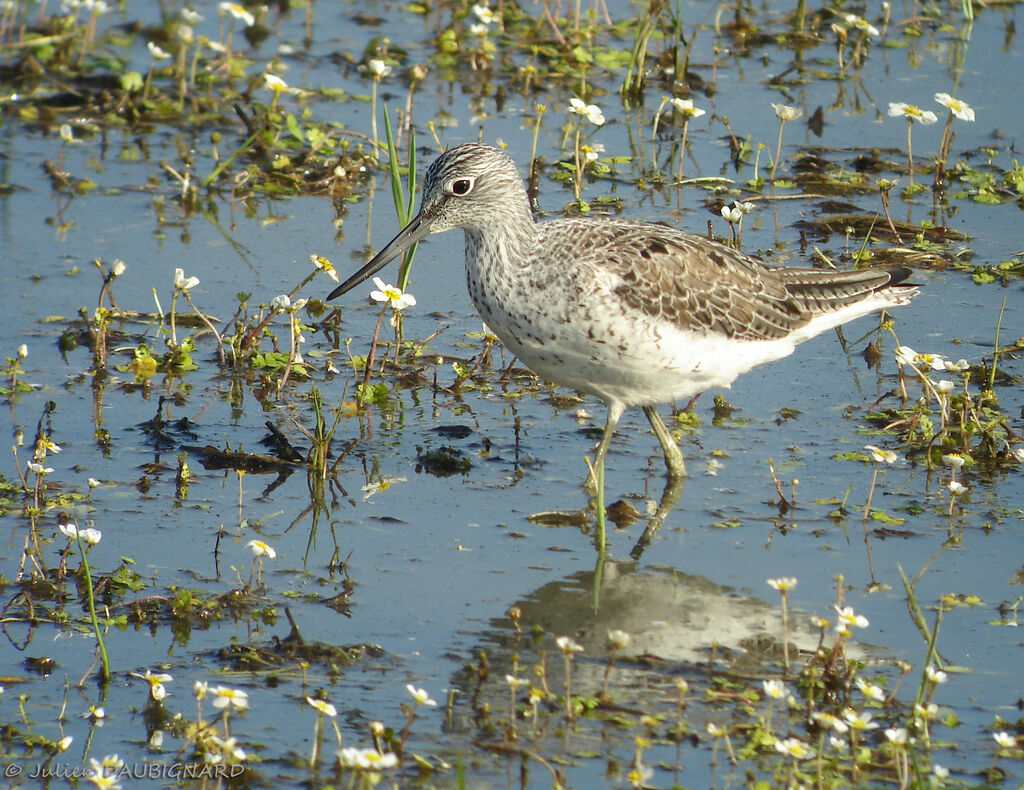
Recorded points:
320,706
224,697
284,303
589,111
238,12
274,83
67,134
870,690
905,355
183,283
157,52
484,14
960,109
860,23
848,617
685,108
859,721
830,721
378,68
261,549
568,645
912,113
366,759
880,456
782,584
896,735
229,748
786,113
794,747
324,265
732,214
156,681
396,297
420,696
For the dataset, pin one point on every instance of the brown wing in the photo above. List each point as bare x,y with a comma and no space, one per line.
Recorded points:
701,285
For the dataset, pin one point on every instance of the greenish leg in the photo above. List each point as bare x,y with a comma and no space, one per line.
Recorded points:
673,455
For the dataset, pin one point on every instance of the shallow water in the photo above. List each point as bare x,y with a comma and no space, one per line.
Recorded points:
432,564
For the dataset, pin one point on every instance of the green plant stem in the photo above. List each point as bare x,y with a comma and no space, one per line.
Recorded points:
404,204
778,150
943,152
910,154
995,347
682,149
361,395
577,182
209,325
223,163
314,753
104,662
536,132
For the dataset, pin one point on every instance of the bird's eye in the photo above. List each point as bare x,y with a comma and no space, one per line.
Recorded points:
462,186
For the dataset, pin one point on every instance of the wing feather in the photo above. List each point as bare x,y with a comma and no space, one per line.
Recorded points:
705,286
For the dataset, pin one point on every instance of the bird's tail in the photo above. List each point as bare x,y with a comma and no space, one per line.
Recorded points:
824,291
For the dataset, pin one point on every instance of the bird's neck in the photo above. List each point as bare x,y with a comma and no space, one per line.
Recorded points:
504,244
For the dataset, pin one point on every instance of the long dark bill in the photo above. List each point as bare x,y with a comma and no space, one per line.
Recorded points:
409,235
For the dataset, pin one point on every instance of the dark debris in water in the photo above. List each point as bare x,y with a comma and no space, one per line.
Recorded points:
293,649
559,518
281,653
453,431
875,225
281,445
622,513
43,665
255,463
167,434
442,462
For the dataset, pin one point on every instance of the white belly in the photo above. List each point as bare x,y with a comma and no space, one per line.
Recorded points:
636,362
